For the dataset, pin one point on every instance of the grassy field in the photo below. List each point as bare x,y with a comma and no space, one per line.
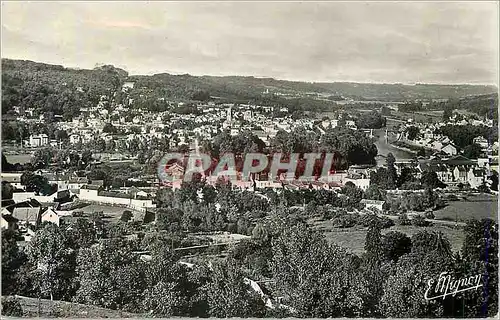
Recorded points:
477,206
18,158
354,238
63,309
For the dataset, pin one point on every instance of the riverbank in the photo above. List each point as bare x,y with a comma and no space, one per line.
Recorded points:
403,148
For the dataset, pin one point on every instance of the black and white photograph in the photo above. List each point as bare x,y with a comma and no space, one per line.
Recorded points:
249,159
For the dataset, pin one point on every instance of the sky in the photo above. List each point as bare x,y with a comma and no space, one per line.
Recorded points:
419,42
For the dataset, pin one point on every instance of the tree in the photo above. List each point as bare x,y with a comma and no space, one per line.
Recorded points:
260,233
395,245
110,276
448,112
82,233
316,278
11,307
228,295
406,177
412,132
431,180
168,289
126,216
353,193
480,256
109,128
7,190
371,120
12,260
383,178
405,288
35,183
54,261
473,151
373,193
373,242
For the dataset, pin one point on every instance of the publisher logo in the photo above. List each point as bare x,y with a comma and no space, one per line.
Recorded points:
446,285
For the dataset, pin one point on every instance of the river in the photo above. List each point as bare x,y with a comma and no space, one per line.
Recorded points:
386,148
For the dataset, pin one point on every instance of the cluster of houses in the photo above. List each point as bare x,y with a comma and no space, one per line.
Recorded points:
429,139
28,209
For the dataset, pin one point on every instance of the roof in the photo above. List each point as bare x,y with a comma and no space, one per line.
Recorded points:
97,182
31,203
91,187
27,214
9,218
369,201
7,202
458,158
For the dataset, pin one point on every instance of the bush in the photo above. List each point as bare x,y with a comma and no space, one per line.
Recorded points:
126,216
345,221
12,307
419,221
371,219
395,245
403,220
430,215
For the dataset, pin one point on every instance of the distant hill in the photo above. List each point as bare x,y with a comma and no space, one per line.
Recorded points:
54,88
235,85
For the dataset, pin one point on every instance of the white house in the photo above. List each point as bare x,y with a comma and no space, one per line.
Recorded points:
476,177
481,141
51,216
74,138
38,140
361,183
460,174
369,204
449,149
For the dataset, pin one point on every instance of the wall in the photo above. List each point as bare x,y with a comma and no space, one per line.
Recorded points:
92,195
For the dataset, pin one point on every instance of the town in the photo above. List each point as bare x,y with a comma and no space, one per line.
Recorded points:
184,178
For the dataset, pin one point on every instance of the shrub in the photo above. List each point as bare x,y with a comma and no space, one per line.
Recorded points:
403,220
395,245
12,307
345,221
419,221
430,215
126,216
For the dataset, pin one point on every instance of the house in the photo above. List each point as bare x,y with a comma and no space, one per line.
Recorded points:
27,212
460,174
362,170
449,149
361,183
176,171
135,192
9,222
74,138
38,140
370,204
442,171
50,216
476,177
481,141
128,85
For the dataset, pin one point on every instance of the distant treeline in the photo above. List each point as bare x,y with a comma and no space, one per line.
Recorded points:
63,91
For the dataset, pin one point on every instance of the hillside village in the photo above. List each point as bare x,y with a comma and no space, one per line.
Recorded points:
116,127
93,186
